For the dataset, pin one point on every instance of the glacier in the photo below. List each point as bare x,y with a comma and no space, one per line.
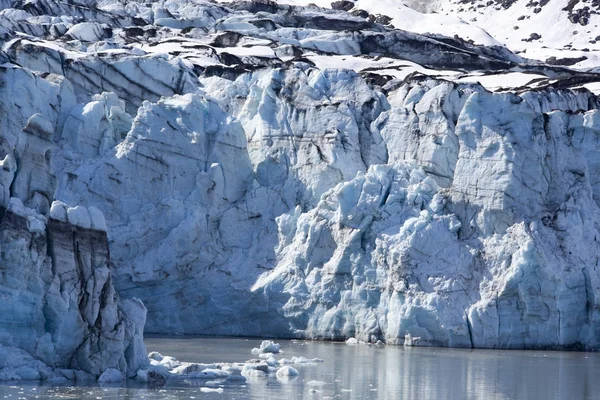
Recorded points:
263,169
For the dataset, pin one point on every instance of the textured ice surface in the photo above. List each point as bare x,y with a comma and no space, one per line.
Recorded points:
254,168
60,317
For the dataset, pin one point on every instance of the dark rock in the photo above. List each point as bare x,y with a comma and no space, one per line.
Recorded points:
230,59
383,19
360,13
227,39
135,31
343,5
571,5
256,6
375,80
139,21
266,24
567,61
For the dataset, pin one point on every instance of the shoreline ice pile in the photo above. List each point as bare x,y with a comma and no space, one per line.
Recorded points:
263,169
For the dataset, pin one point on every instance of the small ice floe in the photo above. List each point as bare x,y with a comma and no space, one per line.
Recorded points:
266,346
410,340
287,372
354,341
300,360
156,356
316,384
157,359
211,390
255,370
235,373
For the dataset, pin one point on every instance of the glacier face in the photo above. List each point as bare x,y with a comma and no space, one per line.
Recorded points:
271,170
60,315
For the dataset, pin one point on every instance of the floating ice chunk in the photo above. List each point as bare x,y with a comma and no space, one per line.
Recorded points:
191,368
167,362
271,361
156,356
155,371
208,373
253,373
300,360
210,390
266,346
287,371
234,373
352,341
111,375
410,340
255,370
316,383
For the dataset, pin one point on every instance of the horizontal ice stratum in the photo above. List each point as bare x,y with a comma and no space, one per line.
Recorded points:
348,169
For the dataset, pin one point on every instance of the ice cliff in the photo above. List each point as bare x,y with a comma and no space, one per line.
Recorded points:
263,169
60,316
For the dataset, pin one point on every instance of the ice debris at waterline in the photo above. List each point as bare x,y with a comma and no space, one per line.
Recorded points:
163,368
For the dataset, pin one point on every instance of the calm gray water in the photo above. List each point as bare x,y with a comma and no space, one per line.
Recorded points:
362,372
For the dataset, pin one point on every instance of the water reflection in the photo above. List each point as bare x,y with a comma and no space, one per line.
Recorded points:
362,372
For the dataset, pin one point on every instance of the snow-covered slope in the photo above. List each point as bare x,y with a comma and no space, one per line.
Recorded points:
564,32
554,30
268,169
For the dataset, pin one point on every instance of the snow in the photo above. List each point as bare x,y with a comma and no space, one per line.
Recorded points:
406,18
499,81
87,31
